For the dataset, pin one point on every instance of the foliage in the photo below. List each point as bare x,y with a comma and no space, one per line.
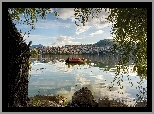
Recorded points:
129,30
34,52
82,14
37,103
18,66
31,15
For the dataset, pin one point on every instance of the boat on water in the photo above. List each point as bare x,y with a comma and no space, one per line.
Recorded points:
76,60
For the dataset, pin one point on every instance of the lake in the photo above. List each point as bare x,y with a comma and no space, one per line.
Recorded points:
50,75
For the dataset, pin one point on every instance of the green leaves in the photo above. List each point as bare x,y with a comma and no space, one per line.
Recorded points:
82,14
56,13
129,30
34,51
30,14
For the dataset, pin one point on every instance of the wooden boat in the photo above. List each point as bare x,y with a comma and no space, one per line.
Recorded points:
76,60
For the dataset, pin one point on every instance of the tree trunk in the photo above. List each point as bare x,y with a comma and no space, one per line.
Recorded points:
18,67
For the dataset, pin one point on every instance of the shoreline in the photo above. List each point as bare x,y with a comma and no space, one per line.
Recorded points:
81,98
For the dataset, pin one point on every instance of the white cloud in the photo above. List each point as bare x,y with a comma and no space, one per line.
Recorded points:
97,32
65,13
36,37
98,23
47,24
91,42
81,29
50,24
79,38
68,13
64,40
110,37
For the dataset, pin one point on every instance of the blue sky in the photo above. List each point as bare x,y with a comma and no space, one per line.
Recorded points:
63,31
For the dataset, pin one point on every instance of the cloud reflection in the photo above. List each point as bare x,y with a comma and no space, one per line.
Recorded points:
82,77
101,89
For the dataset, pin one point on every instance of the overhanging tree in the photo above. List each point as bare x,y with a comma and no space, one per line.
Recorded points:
18,56
129,30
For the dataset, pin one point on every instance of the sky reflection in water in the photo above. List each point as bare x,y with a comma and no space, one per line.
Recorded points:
59,79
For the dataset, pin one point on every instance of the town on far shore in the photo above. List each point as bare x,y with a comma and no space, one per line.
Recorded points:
103,46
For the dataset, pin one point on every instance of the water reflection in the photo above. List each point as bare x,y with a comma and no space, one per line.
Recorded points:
53,76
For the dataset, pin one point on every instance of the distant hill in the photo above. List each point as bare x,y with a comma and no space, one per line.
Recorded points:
105,42
36,46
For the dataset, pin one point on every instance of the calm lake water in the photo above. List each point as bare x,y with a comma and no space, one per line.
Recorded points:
50,75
